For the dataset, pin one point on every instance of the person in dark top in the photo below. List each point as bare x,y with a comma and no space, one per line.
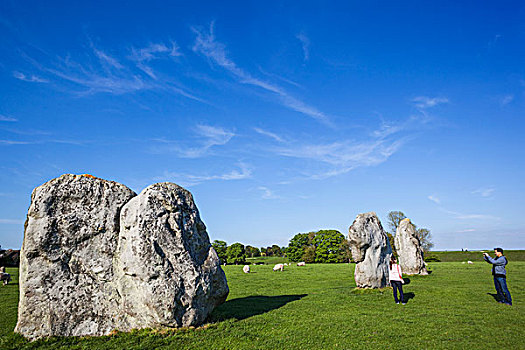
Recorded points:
500,275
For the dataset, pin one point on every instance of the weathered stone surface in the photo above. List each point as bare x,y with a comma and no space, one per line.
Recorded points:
66,267
370,250
97,257
409,249
168,274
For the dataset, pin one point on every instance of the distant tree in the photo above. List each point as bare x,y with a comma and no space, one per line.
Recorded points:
345,254
392,244
252,252
236,254
296,247
309,254
269,251
327,245
394,218
263,251
276,250
220,247
425,238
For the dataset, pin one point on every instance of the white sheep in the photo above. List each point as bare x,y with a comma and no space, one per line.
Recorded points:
302,263
5,278
278,267
470,262
246,269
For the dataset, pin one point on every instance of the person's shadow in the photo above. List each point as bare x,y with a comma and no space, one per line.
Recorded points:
408,296
242,308
495,296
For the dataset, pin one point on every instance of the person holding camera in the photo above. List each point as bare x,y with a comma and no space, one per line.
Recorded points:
500,275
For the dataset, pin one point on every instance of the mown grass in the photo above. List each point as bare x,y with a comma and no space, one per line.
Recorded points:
316,307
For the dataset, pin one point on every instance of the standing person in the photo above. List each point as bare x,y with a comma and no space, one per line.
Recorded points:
500,275
396,280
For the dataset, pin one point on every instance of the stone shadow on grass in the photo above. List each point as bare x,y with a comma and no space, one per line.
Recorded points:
242,308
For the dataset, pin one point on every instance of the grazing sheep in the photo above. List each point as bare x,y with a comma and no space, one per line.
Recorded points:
278,267
302,263
246,269
5,278
470,262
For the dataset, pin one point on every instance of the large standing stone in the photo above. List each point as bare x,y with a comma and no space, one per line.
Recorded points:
370,250
97,257
409,249
66,265
168,274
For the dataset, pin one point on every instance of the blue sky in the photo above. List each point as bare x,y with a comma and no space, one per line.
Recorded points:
280,118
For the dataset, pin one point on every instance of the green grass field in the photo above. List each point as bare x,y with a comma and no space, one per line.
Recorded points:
316,307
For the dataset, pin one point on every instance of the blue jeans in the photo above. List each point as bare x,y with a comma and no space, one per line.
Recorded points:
398,285
501,288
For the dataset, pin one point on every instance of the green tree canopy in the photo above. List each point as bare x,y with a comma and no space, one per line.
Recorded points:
296,247
328,246
276,250
220,247
236,254
252,252
324,246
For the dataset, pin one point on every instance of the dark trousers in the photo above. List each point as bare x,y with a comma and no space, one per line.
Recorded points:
501,288
397,285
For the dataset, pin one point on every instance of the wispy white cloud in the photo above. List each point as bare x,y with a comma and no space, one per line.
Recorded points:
215,135
343,157
44,141
14,142
492,42
388,129
305,42
434,199
97,71
244,172
106,59
505,100
11,222
484,192
466,230
281,78
5,118
91,79
154,51
462,216
30,78
210,136
28,132
269,134
267,193
207,45
424,102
